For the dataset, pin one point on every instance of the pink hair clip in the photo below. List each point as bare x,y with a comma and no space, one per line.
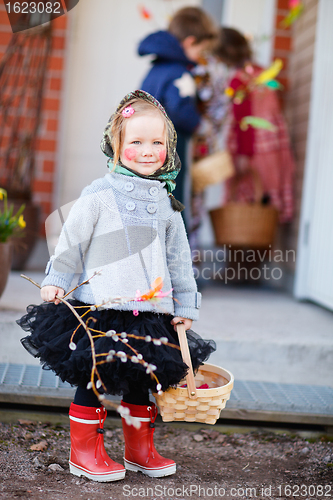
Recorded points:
128,111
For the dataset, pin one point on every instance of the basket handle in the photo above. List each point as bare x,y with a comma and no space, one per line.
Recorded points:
192,392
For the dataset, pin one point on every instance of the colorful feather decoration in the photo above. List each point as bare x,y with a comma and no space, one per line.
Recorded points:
155,292
256,122
270,73
145,13
296,8
274,85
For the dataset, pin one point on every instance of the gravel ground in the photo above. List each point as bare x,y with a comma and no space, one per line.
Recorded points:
212,462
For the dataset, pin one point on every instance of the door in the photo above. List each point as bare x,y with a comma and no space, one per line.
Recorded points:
314,267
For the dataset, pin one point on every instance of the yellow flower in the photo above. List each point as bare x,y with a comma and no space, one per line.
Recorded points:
21,222
229,91
3,193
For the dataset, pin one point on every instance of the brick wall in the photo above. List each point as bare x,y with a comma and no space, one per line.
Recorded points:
298,102
295,46
48,136
282,45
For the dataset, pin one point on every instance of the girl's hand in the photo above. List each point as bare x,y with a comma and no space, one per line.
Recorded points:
187,322
48,293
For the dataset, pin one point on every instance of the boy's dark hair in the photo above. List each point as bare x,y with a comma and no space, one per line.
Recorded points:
192,21
232,47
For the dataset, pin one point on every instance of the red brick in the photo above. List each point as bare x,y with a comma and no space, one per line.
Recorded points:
279,25
48,166
13,80
51,104
5,38
31,102
56,63
15,102
4,18
282,43
42,186
10,80
9,123
58,43
4,141
34,63
55,83
283,4
52,125
46,205
46,145
59,23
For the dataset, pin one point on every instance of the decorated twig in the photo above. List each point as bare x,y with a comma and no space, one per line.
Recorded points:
96,382
71,345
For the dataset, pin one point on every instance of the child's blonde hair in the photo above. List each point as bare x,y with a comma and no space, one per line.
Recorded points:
117,128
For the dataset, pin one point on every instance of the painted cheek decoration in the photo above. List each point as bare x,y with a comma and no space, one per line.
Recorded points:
162,155
130,154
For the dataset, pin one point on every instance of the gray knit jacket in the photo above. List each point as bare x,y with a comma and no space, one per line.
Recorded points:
124,227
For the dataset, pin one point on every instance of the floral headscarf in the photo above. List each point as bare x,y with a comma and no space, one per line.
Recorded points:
172,165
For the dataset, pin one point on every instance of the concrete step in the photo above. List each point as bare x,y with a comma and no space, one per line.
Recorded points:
267,335
262,401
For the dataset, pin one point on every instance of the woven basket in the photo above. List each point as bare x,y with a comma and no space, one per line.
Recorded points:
245,224
190,404
212,169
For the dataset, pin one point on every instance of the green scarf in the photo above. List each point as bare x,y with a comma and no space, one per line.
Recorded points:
120,169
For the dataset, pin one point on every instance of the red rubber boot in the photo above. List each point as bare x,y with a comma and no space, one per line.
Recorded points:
88,456
140,452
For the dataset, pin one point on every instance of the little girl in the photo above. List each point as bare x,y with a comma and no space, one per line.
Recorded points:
127,227
267,152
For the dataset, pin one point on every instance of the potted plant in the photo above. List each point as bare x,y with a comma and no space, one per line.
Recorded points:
11,225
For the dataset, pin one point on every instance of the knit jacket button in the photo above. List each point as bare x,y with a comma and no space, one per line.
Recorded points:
151,208
129,186
153,191
130,205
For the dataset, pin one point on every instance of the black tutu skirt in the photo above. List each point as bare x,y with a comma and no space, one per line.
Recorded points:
51,328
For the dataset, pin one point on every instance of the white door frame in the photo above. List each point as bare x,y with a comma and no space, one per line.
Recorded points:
314,265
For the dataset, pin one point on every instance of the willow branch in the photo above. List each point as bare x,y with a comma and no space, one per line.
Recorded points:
84,326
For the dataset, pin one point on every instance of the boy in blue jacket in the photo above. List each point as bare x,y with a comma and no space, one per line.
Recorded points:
190,33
